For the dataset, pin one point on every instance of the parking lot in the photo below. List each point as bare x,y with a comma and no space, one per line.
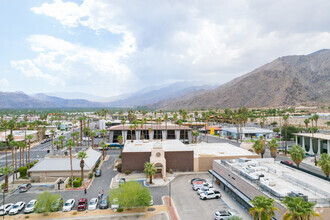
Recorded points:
187,202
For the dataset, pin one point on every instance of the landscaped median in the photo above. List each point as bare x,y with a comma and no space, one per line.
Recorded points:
157,209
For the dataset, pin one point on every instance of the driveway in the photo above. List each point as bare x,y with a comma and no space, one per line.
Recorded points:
187,202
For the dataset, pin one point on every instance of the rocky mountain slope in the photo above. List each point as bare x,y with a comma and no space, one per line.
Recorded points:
287,81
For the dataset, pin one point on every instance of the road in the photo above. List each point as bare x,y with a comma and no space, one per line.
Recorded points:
212,139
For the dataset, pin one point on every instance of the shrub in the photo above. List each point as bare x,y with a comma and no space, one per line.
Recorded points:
22,171
119,166
74,213
128,172
120,156
77,182
3,186
90,176
27,216
120,209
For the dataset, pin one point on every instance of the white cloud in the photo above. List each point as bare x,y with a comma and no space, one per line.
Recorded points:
166,41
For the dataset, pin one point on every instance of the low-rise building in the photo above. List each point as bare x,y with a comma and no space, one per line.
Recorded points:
247,132
316,143
51,168
246,178
19,135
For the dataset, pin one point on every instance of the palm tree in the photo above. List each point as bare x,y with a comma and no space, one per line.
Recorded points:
324,163
298,208
103,133
143,122
195,135
52,132
273,145
4,125
6,171
150,170
92,134
81,119
82,155
57,143
166,119
131,128
306,121
61,138
70,143
286,118
262,141
103,145
297,154
29,138
120,141
258,147
315,118
123,122
263,208
12,145
179,122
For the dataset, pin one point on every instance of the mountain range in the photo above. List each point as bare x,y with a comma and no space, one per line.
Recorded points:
286,81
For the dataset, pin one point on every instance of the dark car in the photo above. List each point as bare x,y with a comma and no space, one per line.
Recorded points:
122,181
24,187
82,204
43,141
98,173
197,179
57,205
103,204
288,162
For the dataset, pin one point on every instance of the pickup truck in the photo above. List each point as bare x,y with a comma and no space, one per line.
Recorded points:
204,189
210,195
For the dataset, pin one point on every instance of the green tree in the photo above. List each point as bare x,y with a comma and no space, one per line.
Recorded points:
6,171
324,163
273,145
103,133
45,201
297,154
149,170
82,155
61,138
81,119
131,194
258,147
92,134
298,209
70,143
263,208
103,146
306,121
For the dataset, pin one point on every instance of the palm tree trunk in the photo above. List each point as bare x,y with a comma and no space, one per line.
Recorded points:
20,154
103,153
29,154
52,142
150,179
92,142
16,161
71,166
82,171
6,147
6,183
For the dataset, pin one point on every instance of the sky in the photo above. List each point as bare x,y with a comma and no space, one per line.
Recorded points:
108,48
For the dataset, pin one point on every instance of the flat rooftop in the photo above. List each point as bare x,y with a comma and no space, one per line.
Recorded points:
148,145
315,135
278,180
248,130
149,126
219,149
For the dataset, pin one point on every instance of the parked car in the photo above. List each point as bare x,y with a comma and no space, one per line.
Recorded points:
17,208
204,189
43,141
57,205
30,206
5,209
68,205
122,181
210,195
25,187
223,214
93,204
197,179
288,162
82,204
103,204
199,184
98,173
114,204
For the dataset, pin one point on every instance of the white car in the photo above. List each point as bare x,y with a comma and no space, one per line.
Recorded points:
223,214
210,195
30,206
68,205
4,211
114,204
204,189
93,204
17,208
